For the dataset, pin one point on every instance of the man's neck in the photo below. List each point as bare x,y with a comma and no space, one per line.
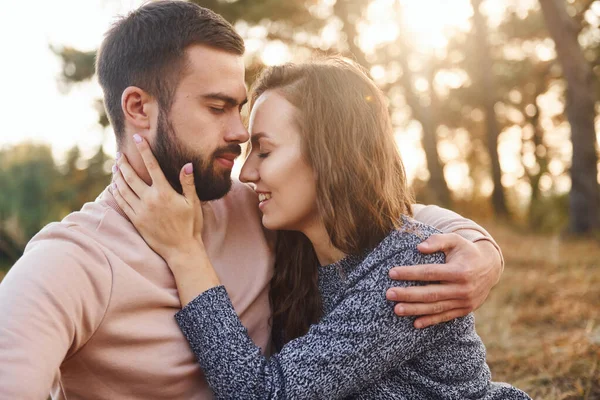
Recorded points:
135,160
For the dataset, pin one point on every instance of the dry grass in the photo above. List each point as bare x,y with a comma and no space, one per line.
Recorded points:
541,324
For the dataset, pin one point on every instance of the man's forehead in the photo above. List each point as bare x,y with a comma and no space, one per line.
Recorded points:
215,71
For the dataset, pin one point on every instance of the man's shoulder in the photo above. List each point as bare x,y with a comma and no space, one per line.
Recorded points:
241,205
240,200
74,229
60,261
243,193
67,244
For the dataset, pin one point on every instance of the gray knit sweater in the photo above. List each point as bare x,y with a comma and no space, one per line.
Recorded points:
360,348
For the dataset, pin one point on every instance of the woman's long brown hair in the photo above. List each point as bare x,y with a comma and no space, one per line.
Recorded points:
362,191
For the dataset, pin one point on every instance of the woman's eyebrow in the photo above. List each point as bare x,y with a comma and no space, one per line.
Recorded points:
255,137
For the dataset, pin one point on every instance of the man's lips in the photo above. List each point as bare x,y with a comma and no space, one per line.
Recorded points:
227,159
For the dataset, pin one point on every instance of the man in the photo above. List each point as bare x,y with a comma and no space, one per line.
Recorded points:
87,312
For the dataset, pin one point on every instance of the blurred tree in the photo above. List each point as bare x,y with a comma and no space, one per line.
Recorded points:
485,78
501,70
423,110
35,191
299,24
26,201
584,201
304,16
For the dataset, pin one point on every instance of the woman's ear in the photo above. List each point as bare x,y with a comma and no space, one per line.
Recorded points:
139,108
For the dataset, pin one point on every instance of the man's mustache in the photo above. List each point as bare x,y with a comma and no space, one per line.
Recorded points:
229,149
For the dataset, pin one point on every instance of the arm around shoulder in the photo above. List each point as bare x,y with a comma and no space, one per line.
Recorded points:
450,222
51,302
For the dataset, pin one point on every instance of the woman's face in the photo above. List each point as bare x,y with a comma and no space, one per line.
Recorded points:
285,183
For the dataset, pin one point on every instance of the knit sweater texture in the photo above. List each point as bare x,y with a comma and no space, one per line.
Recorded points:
359,349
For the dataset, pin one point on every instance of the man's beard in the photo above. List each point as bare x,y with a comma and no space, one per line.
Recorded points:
172,156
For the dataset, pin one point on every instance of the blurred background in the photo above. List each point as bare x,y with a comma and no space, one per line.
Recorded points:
494,104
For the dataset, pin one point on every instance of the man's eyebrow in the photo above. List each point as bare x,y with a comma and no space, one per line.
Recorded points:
232,102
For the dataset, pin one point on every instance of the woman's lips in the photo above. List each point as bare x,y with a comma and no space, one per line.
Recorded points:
262,204
263,199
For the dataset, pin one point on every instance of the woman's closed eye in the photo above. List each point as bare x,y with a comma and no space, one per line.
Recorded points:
263,154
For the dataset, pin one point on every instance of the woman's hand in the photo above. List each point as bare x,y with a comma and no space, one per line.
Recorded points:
170,223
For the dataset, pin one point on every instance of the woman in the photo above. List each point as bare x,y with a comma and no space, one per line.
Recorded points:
324,163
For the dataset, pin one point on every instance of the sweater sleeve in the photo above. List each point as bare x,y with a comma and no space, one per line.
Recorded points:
351,348
450,222
51,302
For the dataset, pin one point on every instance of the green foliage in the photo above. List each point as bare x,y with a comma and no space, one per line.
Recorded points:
549,214
78,66
28,175
34,191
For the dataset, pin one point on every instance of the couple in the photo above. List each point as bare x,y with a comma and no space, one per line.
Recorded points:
88,311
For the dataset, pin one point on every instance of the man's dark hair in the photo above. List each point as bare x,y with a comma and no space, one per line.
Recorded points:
147,49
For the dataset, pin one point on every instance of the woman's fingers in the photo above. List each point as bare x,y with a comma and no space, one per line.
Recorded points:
186,177
135,183
122,202
158,177
125,191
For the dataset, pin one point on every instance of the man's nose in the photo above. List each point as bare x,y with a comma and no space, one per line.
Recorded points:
237,132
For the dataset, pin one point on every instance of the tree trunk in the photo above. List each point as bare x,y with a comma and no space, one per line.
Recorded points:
426,117
535,216
488,100
584,198
437,180
348,12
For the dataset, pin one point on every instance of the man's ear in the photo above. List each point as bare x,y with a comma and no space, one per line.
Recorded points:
139,108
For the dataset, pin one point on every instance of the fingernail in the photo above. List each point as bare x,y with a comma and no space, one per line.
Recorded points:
400,309
137,138
391,295
188,168
419,325
424,245
115,168
118,155
393,274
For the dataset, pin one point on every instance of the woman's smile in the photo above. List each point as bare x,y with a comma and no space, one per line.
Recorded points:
263,199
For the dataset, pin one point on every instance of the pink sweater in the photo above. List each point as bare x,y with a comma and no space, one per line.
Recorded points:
87,312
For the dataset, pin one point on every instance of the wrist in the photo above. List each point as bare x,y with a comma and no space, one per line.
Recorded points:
186,253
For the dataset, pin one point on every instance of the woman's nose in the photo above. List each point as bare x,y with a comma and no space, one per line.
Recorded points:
249,172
